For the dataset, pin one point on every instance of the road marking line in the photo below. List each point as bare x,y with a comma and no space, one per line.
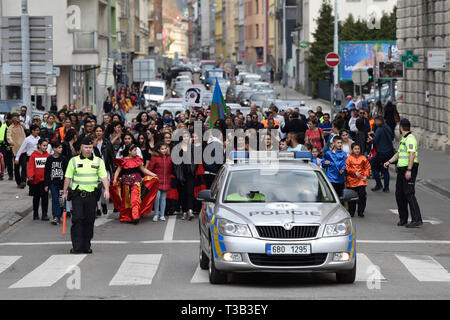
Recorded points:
48,273
431,221
200,276
7,261
170,228
425,268
101,221
106,242
366,270
136,269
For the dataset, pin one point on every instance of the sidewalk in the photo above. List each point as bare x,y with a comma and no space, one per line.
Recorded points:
434,171
15,203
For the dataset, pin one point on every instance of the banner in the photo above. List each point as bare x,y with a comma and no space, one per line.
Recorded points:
361,54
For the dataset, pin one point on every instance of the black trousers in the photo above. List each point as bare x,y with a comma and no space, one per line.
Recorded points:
339,188
186,194
39,196
362,194
83,219
405,195
20,170
9,160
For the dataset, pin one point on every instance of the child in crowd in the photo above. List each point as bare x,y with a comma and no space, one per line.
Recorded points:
316,156
35,173
132,200
358,172
283,145
334,162
161,165
55,167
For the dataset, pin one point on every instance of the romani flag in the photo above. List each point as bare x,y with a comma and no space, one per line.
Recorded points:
218,106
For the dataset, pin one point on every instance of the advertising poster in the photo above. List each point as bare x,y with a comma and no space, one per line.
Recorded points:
362,54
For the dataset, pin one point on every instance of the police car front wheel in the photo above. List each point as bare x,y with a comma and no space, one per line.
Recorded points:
215,276
348,276
203,259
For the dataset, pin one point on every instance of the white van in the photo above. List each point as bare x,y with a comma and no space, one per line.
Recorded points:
154,91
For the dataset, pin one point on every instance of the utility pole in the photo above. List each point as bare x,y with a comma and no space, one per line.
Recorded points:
284,45
26,77
336,41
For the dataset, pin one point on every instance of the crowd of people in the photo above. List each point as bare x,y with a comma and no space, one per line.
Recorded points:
350,148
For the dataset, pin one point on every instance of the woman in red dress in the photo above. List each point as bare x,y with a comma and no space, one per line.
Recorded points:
135,195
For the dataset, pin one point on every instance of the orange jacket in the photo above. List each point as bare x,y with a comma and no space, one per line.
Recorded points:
356,164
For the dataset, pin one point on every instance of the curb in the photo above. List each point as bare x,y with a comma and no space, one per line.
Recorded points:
427,184
14,217
436,188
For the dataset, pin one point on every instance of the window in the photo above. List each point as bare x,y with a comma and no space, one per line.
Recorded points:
256,6
257,31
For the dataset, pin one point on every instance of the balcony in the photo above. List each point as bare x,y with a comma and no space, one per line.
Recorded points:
85,41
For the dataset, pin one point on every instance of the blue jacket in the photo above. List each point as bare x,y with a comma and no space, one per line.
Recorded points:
337,163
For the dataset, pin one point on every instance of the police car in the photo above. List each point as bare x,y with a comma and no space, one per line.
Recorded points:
282,216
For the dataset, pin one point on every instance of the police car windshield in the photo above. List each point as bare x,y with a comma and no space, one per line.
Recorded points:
276,186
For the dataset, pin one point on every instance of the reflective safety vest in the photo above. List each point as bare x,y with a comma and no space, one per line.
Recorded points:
85,172
3,132
407,144
238,197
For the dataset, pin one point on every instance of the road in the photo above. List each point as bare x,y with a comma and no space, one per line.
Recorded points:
159,260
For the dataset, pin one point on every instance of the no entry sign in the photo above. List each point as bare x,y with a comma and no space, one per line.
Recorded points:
332,59
259,63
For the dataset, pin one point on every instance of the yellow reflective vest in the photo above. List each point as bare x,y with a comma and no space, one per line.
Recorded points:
407,144
85,172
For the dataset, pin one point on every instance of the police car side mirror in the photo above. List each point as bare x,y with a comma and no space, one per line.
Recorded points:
205,195
349,195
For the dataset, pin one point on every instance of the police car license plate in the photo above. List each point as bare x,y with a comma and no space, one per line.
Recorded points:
295,249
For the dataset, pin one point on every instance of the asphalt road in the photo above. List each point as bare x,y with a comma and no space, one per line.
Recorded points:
159,260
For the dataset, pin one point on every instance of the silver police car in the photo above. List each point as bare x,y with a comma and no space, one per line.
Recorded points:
283,218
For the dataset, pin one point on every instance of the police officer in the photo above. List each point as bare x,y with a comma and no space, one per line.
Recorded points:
85,170
407,168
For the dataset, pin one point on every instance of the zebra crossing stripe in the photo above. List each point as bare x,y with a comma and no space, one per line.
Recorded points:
7,261
366,270
424,268
200,276
136,269
170,228
48,273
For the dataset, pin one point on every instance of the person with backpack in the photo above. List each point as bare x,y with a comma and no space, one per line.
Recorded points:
55,167
384,151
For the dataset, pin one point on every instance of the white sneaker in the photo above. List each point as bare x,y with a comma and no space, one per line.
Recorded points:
162,218
155,218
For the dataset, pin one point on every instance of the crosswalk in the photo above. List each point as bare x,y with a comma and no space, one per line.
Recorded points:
141,269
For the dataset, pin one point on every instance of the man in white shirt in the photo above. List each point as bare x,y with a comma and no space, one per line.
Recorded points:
26,120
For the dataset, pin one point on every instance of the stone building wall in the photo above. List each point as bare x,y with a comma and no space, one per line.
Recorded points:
423,25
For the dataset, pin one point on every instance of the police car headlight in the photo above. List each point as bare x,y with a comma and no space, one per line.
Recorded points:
228,228
343,228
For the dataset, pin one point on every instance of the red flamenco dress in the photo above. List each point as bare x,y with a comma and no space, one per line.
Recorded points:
133,196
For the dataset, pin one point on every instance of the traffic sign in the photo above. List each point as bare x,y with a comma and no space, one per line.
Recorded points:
259,63
360,76
332,59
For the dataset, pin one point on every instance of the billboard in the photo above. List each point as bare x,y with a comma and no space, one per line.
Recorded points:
362,54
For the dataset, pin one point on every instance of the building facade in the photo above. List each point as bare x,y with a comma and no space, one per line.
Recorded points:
423,27
307,12
253,30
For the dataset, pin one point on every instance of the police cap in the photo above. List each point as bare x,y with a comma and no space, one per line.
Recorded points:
87,141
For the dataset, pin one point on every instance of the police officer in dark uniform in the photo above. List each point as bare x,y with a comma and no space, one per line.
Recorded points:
85,170
407,169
